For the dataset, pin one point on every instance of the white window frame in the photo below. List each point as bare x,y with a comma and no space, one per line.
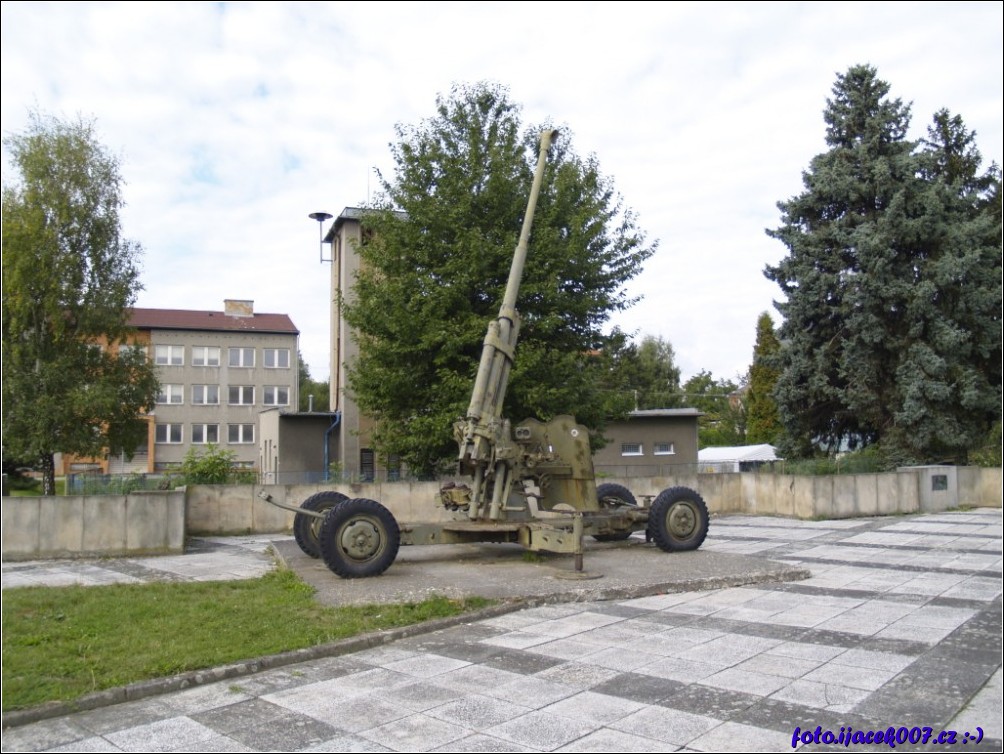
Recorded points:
201,395
169,356
273,355
242,431
243,354
204,431
670,449
173,434
172,395
628,449
272,396
205,356
245,395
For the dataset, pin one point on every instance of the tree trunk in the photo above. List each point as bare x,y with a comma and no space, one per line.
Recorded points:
48,474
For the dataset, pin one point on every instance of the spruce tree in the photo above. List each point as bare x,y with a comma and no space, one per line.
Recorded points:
763,422
892,286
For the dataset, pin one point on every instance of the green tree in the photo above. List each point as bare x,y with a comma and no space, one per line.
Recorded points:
724,421
68,280
641,375
763,422
311,388
892,330
436,254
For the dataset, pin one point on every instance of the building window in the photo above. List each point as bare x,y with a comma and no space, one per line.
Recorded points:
171,394
205,356
632,449
393,467
206,395
367,465
169,356
203,434
277,358
276,395
240,434
241,395
664,449
241,357
168,434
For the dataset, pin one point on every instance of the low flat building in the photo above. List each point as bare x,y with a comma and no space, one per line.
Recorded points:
649,443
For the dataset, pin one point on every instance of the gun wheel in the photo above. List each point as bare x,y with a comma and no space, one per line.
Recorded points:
614,496
307,528
678,520
359,538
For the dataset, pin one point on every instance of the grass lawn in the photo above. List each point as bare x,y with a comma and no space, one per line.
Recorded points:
37,489
60,643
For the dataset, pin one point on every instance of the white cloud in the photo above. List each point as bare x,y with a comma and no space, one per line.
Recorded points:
236,120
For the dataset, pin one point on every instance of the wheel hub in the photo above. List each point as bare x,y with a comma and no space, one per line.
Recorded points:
681,520
360,539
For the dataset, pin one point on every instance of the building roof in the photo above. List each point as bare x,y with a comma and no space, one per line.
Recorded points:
351,213
188,319
661,413
739,453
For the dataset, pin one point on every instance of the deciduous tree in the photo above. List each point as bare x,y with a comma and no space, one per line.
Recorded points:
892,285
641,375
724,421
68,279
436,257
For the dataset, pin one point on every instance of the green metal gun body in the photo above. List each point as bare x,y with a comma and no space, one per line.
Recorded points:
540,465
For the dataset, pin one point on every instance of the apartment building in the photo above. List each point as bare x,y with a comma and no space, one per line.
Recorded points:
218,371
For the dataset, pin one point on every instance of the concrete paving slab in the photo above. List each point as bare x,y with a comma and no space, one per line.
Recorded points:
632,568
734,668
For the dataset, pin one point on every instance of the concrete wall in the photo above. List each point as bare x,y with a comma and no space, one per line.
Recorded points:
141,523
237,509
980,487
233,509
145,523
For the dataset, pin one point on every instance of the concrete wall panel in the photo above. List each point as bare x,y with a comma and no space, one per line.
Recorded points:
104,523
62,529
20,517
142,523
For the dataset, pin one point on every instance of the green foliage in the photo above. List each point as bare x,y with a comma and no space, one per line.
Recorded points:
869,460
310,388
641,375
436,255
212,466
724,421
892,317
989,453
68,280
60,643
763,422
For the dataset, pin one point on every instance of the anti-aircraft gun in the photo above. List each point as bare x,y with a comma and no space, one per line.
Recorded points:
531,484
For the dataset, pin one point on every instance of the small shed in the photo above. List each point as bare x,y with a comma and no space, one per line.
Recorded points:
736,458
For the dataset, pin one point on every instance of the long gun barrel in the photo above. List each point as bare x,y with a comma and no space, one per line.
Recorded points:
479,435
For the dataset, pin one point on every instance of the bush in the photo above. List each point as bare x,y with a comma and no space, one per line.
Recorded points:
989,455
214,466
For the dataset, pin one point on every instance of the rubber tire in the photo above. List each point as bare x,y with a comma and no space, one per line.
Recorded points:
376,536
624,497
678,520
306,528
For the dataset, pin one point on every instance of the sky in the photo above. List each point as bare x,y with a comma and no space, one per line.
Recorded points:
234,121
